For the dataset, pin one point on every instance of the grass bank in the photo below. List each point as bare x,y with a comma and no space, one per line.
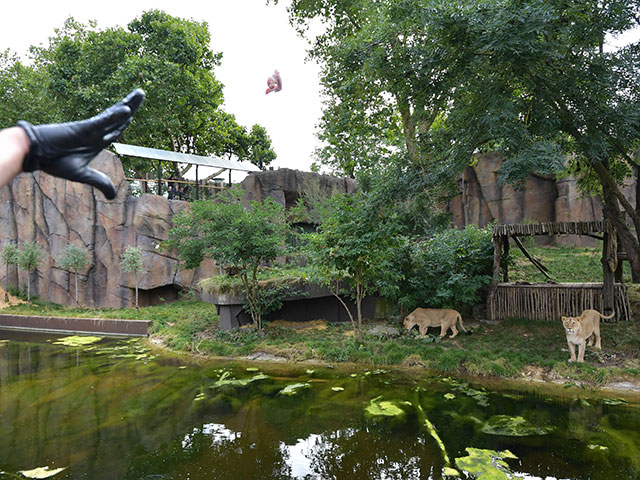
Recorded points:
509,349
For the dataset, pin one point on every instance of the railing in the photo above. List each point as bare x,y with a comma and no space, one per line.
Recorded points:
551,301
178,189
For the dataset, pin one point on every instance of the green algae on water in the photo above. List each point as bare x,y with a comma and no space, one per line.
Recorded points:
294,389
507,426
486,464
41,472
77,341
233,382
380,408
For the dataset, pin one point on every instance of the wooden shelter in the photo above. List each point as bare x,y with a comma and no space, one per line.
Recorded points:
552,300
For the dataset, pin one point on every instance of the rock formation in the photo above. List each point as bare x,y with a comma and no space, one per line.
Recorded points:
54,213
541,199
287,186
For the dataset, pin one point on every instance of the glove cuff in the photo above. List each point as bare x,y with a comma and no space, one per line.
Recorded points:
31,161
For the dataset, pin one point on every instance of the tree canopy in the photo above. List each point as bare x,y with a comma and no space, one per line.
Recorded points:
85,69
243,237
437,82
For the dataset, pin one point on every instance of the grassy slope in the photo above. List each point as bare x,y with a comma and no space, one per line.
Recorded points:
508,349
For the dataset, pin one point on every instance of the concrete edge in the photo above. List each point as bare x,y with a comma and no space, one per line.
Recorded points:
100,326
75,332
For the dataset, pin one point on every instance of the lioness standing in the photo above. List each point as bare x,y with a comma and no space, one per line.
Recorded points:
445,318
583,328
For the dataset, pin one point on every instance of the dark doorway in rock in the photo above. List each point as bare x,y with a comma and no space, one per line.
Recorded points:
159,295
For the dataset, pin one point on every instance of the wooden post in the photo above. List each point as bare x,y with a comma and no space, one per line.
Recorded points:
159,177
497,260
618,276
197,186
609,264
505,267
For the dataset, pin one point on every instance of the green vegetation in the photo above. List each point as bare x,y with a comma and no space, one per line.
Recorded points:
565,264
447,270
28,259
85,69
237,237
131,262
352,250
74,260
540,89
9,257
509,349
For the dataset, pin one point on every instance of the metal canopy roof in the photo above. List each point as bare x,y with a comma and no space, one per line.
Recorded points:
168,156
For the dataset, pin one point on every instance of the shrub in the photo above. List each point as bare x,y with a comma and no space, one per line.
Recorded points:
448,270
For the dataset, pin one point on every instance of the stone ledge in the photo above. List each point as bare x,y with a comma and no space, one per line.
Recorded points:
103,326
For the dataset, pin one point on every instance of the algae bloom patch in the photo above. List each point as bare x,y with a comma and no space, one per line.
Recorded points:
507,426
294,388
486,464
77,341
41,472
384,408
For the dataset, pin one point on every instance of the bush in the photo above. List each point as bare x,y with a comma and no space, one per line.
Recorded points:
449,270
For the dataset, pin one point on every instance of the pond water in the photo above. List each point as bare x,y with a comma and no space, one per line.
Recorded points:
115,410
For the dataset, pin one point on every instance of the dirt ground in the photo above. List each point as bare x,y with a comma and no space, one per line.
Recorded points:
12,300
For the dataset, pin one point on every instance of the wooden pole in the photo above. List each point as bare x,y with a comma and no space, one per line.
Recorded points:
535,262
505,266
498,240
609,264
197,189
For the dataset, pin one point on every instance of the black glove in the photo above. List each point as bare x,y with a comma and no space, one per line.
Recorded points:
65,149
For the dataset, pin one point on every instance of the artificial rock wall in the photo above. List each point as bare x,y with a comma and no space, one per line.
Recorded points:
53,212
542,199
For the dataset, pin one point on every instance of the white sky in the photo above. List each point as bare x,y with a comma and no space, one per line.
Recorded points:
254,38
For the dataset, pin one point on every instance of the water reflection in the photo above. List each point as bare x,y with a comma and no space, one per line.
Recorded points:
113,411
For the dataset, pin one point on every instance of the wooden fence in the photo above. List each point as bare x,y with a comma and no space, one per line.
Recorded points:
552,301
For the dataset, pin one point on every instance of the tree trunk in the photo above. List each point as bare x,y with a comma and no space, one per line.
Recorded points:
629,241
359,307
6,286
335,292
136,279
29,285
76,278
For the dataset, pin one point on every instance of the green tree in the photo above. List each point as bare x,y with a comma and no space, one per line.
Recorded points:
10,254
28,259
351,250
260,151
74,259
85,69
234,235
386,84
540,88
23,90
131,262
383,78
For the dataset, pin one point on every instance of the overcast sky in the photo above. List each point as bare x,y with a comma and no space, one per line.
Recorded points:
254,38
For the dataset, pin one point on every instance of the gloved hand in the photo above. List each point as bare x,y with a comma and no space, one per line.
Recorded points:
65,149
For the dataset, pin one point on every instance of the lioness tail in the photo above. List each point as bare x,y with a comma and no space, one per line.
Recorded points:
461,325
606,318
